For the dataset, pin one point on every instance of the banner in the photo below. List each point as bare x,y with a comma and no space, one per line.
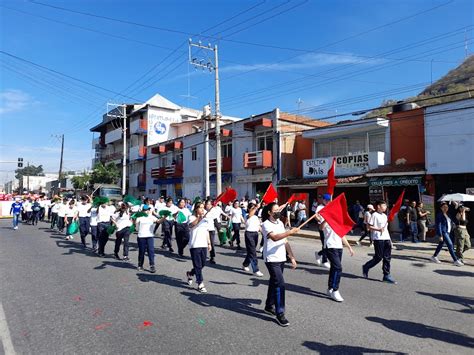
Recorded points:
159,125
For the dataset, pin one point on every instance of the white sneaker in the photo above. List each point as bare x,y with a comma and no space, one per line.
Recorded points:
327,265
458,263
15,228
67,238
358,243
435,260
71,237
189,278
260,250
336,296
201,288
319,259
258,273
245,268
329,292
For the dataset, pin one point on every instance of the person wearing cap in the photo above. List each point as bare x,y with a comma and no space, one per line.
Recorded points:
321,256
15,211
366,232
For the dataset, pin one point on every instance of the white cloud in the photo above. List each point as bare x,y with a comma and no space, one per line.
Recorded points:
13,100
306,61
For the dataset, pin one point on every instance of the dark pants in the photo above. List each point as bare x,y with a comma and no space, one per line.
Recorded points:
69,222
276,287
366,233
449,243
146,245
236,230
123,234
35,217
414,231
60,223
212,236
251,241
383,252
54,219
323,251
16,217
182,236
94,236
103,236
198,257
28,216
335,272
167,228
42,213
84,225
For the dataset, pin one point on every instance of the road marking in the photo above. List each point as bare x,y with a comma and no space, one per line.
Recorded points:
5,334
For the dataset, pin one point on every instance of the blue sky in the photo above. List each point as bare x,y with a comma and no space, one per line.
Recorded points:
358,51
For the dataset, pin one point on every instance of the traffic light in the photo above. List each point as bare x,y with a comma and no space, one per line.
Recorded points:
20,162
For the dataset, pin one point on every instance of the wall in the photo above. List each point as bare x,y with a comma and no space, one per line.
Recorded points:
407,136
450,138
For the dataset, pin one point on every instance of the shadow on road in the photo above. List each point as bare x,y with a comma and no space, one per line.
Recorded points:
459,300
119,264
423,331
459,273
237,305
162,279
324,349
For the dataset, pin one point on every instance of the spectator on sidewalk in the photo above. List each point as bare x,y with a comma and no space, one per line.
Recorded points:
301,215
366,231
463,239
403,220
413,222
422,221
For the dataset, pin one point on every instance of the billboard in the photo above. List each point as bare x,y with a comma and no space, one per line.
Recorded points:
159,122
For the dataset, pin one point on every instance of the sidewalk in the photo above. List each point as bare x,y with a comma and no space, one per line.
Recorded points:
425,248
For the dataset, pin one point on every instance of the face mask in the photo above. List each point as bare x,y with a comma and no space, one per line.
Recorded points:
276,215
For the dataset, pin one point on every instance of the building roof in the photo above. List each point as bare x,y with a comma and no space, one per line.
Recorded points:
303,120
397,170
348,126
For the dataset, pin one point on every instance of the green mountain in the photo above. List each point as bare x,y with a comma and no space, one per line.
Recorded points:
460,78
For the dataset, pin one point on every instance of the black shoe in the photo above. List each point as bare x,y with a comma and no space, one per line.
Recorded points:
282,320
238,247
126,258
139,268
171,250
163,246
152,269
116,256
270,311
101,255
212,261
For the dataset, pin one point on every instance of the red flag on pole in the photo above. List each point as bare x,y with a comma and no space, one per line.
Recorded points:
270,195
335,214
228,195
297,197
396,207
332,181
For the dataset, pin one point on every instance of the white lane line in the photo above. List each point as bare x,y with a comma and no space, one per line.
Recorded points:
5,334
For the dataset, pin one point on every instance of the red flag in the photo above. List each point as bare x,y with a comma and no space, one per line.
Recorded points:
396,207
270,195
227,196
335,214
297,197
332,181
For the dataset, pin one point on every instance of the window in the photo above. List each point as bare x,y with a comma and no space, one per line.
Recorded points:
349,145
265,141
377,142
193,153
226,149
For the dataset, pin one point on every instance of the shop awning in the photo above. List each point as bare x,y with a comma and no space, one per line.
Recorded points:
397,170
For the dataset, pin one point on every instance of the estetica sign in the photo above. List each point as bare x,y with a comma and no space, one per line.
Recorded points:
346,165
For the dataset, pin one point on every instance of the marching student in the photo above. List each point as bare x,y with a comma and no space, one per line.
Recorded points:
181,226
93,224
36,211
55,205
167,226
15,211
382,243
366,232
212,215
252,227
199,244
121,220
145,226
84,218
334,247
70,215
321,257
28,208
275,251
104,216
235,214
61,213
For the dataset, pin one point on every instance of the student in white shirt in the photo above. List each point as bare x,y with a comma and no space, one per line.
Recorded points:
199,244
61,213
366,232
28,208
334,246
300,213
70,216
213,217
145,227
54,212
321,257
84,218
236,218
167,226
252,227
104,216
275,249
93,224
121,220
181,226
378,225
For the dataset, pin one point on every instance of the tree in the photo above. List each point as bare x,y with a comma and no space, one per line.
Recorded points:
81,182
29,171
102,174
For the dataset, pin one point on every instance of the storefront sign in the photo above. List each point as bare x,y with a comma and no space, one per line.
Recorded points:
254,178
395,181
159,125
429,205
375,193
346,165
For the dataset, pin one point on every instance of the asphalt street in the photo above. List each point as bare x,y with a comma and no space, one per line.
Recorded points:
59,298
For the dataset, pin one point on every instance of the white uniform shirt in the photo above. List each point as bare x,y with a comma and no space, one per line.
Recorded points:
159,206
187,213
302,207
62,209
70,212
93,221
199,233
252,224
331,239
122,222
173,209
379,220
273,251
235,214
28,206
84,209
146,226
55,207
105,213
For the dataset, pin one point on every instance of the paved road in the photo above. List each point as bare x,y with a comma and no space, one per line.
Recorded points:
59,298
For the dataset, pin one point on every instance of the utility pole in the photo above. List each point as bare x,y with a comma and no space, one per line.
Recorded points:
123,116
60,160
28,178
206,117
212,66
